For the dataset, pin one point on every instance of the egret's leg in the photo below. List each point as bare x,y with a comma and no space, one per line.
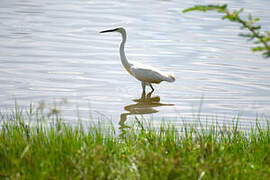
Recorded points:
149,95
152,88
143,87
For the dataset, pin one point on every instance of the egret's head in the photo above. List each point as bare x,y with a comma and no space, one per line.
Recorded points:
120,30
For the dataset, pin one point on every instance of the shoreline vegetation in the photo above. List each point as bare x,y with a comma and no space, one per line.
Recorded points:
61,151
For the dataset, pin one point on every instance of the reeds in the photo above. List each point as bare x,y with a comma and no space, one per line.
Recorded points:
59,151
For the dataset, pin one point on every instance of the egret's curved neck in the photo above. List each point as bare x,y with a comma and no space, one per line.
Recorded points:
122,51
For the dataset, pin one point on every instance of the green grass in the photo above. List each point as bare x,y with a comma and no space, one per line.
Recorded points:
39,150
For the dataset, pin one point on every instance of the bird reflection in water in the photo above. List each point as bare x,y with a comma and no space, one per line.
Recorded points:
144,105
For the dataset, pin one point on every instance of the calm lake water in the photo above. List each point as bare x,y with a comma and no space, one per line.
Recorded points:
51,50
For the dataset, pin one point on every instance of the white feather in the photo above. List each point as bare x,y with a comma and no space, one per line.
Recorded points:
149,74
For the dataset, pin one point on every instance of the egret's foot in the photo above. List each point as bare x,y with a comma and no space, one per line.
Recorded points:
147,99
155,99
152,99
136,100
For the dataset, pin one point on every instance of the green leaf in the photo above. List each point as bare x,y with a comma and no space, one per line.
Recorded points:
258,48
256,27
239,11
256,19
229,17
266,39
204,8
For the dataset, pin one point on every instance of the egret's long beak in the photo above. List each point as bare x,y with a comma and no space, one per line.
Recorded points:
110,30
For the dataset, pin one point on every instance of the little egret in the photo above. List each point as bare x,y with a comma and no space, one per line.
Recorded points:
144,73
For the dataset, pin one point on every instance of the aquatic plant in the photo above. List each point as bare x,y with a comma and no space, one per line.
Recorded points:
260,39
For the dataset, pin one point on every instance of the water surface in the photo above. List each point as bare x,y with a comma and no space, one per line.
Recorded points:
52,49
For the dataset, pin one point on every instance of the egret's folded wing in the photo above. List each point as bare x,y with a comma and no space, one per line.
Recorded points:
147,74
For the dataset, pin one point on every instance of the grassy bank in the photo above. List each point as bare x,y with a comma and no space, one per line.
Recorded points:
60,151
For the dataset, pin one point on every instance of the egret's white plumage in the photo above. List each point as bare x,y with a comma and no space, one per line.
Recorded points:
144,73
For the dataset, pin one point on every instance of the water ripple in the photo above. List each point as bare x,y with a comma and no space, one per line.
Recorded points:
53,49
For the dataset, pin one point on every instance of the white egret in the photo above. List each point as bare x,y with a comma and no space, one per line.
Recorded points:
144,73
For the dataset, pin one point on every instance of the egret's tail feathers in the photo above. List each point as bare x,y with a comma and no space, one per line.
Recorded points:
170,78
